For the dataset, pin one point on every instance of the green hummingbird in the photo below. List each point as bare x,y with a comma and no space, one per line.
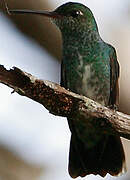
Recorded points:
90,68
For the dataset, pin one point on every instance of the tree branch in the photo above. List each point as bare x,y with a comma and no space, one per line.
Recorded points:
62,102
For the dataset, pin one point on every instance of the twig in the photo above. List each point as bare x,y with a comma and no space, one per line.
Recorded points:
6,7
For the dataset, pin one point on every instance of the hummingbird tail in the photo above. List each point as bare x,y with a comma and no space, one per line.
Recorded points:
106,157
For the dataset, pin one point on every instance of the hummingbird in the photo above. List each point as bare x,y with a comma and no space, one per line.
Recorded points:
89,67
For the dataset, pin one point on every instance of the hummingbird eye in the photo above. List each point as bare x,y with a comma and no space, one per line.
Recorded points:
76,13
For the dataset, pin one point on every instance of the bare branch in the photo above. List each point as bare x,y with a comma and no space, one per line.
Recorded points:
62,102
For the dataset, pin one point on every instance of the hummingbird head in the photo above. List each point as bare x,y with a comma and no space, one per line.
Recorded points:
74,17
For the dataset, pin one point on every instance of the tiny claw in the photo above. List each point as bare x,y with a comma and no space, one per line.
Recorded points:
6,6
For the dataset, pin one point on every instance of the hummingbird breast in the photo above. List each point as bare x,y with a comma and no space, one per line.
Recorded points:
88,74
94,85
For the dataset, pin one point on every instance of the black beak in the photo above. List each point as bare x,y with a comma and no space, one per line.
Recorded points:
51,14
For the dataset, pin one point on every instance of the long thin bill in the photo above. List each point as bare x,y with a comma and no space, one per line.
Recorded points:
42,13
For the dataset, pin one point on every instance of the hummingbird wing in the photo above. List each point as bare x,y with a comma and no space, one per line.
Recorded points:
114,76
63,82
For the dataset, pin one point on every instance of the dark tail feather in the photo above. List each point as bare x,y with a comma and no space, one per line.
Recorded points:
106,157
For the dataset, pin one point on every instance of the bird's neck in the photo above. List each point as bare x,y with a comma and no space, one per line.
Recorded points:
80,40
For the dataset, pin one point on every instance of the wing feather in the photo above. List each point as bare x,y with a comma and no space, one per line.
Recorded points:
114,76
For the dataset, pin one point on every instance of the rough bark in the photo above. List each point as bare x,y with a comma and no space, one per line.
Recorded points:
62,102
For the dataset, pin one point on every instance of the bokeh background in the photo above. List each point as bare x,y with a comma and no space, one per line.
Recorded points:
33,143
